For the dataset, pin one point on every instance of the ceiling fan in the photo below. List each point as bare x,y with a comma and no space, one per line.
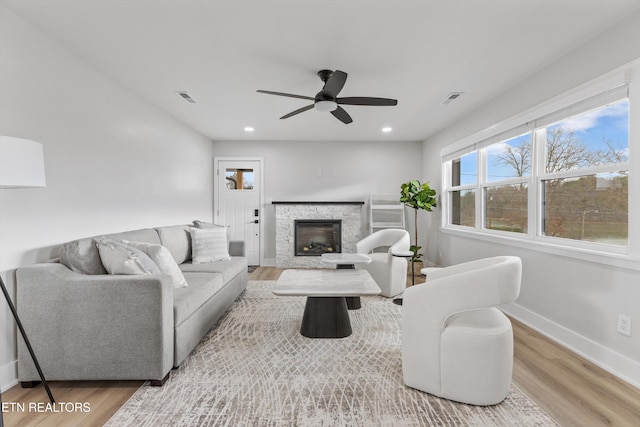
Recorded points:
327,99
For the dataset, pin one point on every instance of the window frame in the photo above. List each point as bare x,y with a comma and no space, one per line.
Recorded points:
537,120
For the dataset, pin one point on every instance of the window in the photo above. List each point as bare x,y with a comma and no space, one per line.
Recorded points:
463,181
239,179
562,176
590,207
463,207
597,137
507,180
509,159
578,204
506,208
465,168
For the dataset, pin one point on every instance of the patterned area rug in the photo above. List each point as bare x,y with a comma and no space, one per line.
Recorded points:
255,369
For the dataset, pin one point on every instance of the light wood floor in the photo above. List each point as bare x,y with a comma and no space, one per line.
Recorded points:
572,390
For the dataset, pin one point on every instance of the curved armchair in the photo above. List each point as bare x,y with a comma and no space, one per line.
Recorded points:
389,272
455,343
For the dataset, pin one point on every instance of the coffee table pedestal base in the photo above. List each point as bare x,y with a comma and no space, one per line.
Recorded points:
353,303
326,317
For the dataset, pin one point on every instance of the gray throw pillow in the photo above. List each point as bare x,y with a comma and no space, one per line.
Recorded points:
119,258
82,257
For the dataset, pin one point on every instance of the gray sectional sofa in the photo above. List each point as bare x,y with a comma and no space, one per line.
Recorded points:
98,326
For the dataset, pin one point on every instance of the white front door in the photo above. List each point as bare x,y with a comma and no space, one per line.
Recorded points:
238,201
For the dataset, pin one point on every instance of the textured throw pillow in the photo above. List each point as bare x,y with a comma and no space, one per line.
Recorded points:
209,244
82,257
119,258
163,259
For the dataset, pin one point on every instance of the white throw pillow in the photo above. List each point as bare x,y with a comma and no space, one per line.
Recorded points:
209,244
200,224
119,258
162,257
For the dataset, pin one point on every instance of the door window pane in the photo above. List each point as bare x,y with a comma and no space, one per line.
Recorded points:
590,207
506,208
463,207
239,179
509,159
597,137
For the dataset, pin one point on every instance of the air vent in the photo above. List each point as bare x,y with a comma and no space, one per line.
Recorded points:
187,97
452,97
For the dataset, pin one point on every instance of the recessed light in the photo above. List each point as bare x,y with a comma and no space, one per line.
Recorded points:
386,129
248,129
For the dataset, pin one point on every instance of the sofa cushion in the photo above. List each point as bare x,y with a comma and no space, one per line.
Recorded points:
177,239
163,259
82,255
201,288
119,258
229,269
209,244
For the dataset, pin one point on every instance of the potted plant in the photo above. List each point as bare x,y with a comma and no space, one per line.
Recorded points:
419,197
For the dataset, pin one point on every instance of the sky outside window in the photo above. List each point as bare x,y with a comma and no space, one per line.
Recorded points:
465,170
596,137
509,159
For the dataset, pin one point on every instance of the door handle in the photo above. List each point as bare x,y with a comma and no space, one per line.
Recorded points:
255,221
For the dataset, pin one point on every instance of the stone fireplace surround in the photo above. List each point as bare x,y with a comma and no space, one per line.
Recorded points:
287,212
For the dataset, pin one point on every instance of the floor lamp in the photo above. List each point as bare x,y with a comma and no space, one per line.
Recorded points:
21,166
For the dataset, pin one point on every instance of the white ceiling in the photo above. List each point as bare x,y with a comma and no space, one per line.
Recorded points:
222,51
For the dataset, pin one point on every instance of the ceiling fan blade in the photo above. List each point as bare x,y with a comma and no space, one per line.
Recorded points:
334,85
268,92
364,100
298,111
340,114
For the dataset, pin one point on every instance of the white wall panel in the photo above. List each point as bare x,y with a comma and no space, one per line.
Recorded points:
113,162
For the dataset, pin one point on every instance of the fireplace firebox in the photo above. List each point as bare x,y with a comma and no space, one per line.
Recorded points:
314,237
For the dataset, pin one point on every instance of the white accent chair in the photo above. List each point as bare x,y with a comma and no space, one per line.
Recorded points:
455,343
389,272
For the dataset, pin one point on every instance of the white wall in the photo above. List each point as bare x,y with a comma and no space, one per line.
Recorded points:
348,171
572,300
113,161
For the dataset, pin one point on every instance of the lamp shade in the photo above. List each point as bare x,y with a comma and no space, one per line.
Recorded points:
21,163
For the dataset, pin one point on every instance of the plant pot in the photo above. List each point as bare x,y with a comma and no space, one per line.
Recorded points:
417,276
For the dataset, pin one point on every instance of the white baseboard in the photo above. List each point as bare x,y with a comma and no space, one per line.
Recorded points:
8,375
617,364
428,263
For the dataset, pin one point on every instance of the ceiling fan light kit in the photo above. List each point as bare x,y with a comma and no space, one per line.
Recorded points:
327,99
325,106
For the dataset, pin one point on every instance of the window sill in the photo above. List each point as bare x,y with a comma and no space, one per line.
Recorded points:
621,260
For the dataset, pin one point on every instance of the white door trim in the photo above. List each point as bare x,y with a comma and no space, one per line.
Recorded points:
216,195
